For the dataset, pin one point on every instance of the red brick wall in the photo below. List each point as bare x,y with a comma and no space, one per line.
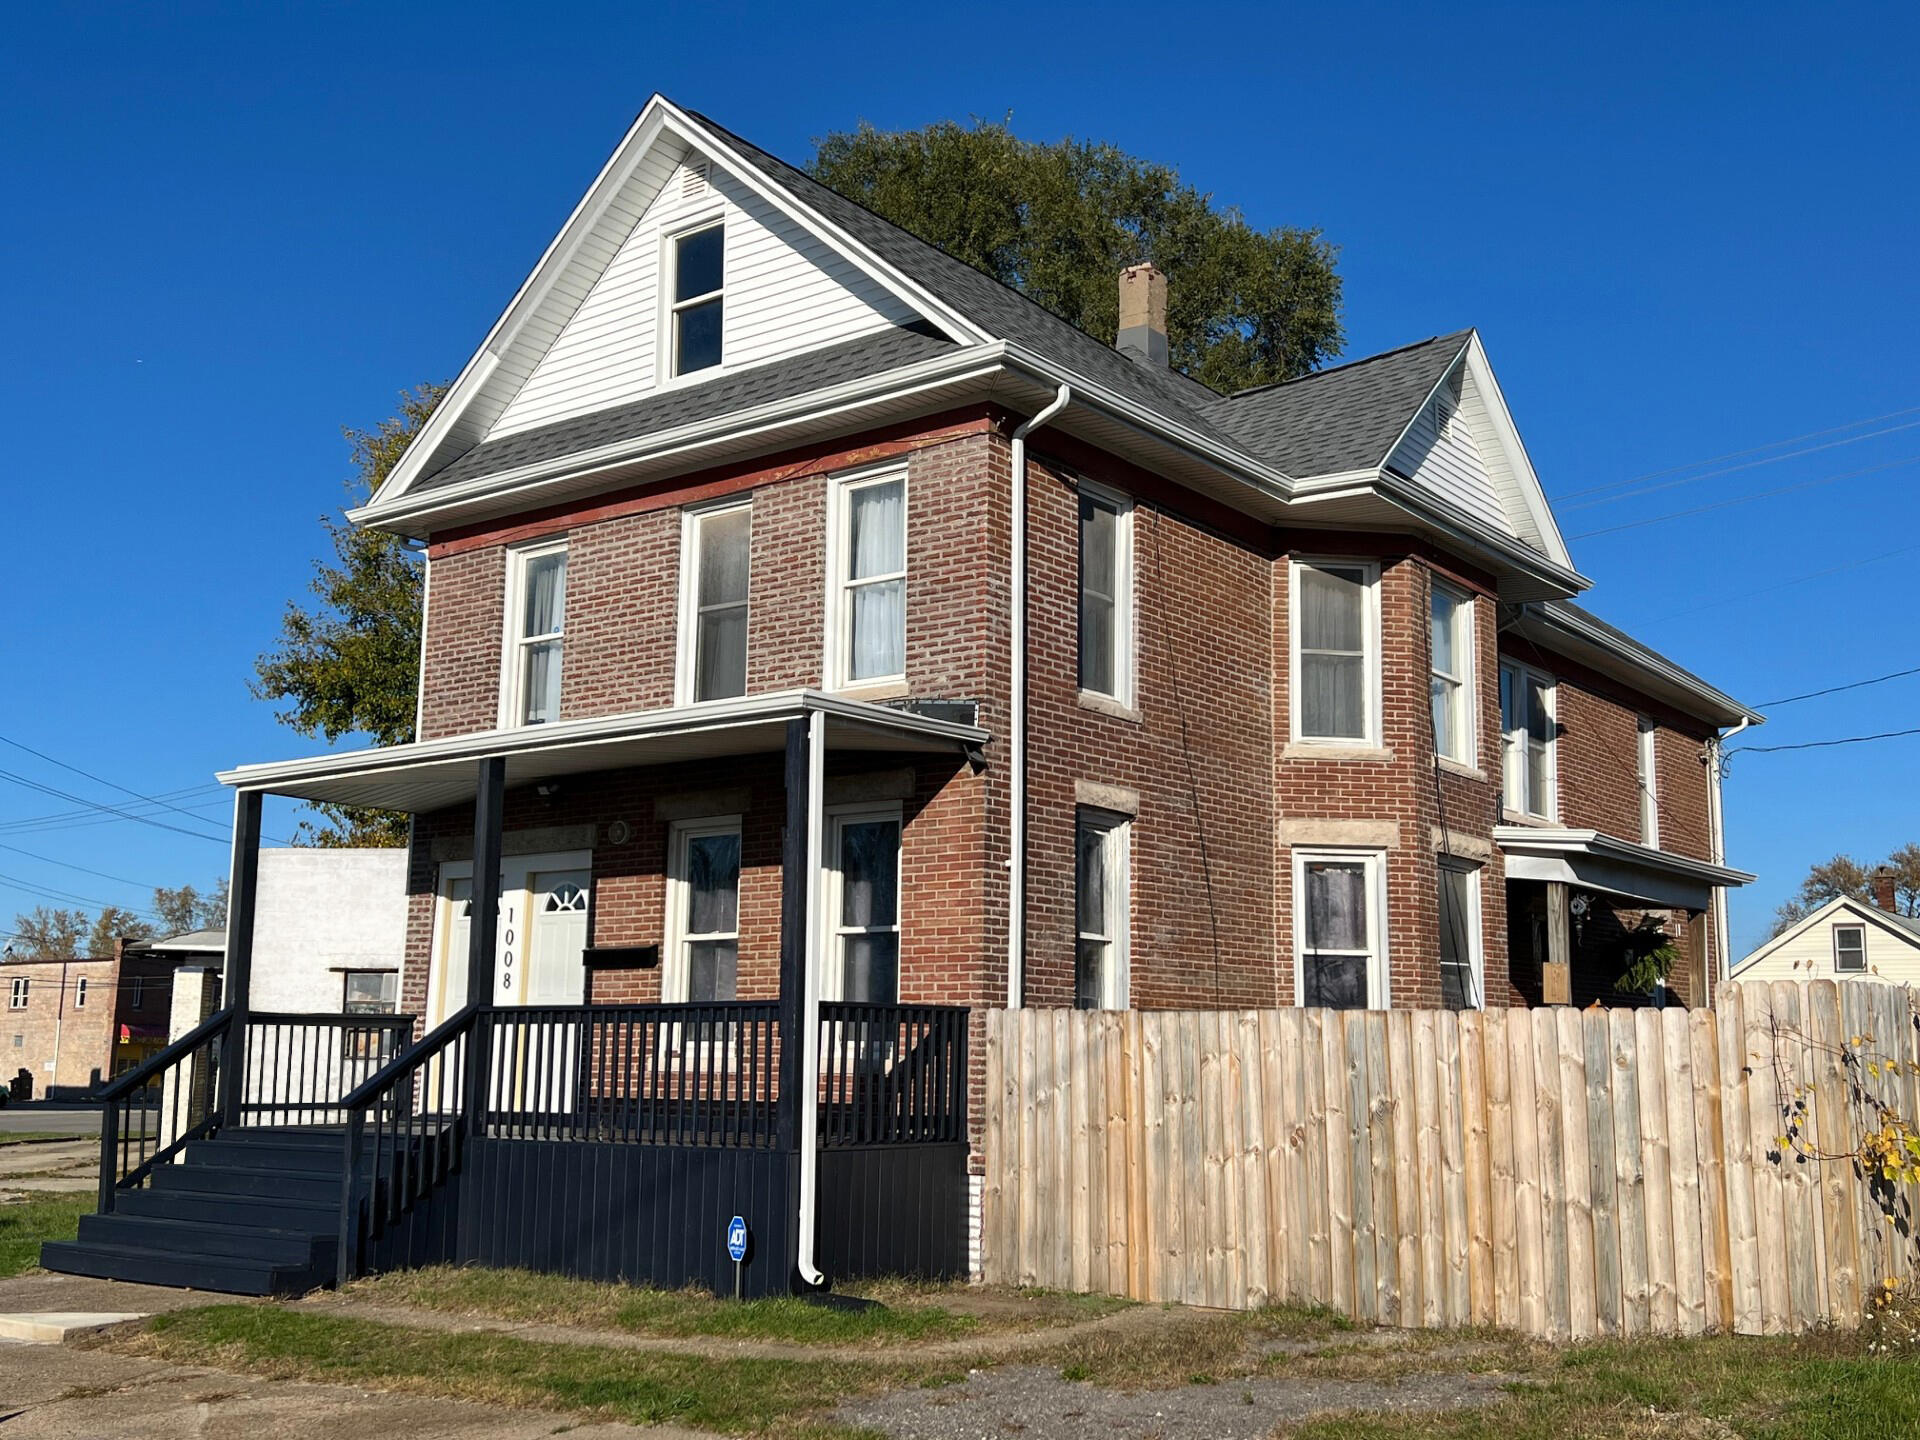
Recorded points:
87,1035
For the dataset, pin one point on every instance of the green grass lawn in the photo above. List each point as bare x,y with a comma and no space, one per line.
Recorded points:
22,1137
25,1223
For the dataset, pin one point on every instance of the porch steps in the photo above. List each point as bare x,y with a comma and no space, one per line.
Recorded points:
248,1212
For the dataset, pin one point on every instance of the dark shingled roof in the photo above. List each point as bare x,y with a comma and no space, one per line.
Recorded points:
1346,418
687,404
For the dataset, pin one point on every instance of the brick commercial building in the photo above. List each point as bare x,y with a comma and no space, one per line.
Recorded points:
71,1022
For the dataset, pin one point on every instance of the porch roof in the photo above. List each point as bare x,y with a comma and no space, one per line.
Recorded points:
432,775
1594,860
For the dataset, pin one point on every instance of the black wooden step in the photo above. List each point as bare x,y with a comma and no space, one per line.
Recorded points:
247,1180
260,1155
268,1212
318,1137
183,1271
209,1236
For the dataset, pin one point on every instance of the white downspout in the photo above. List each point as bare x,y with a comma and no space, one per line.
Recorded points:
1716,819
810,1006
1017,710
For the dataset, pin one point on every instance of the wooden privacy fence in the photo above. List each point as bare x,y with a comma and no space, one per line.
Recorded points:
1564,1173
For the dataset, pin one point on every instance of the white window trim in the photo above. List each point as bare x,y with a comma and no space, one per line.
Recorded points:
138,999
1123,600
1476,948
1861,969
17,993
1370,635
1464,618
1379,986
1116,853
666,376
80,993
512,641
832,982
686,662
676,978
1551,689
1648,743
836,656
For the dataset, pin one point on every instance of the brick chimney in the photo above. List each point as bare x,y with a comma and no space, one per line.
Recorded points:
1143,315
1883,880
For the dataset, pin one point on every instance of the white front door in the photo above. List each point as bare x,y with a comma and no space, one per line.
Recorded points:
556,972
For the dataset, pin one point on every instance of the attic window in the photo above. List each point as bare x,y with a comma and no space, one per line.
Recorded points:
699,274
1850,949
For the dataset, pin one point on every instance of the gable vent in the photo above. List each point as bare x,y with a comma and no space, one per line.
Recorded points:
694,179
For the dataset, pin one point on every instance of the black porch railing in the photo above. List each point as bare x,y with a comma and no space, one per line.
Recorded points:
892,1074
153,1111
298,1068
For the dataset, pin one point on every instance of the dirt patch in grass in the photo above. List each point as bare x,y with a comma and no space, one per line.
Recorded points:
1161,1348
744,1396
26,1222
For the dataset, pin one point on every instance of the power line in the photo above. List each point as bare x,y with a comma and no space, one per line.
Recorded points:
89,775
124,814
1637,491
1836,689
1737,454
52,816
67,897
1820,744
1744,499
69,865
1737,596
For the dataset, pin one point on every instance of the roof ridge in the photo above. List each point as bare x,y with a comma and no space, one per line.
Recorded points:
1350,364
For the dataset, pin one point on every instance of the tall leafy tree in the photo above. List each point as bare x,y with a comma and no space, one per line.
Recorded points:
1830,879
187,909
348,659
114,924
1060,221
49,934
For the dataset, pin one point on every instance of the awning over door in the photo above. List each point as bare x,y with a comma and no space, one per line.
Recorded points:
435,774
1595,861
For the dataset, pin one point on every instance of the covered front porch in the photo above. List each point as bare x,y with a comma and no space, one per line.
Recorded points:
557,1100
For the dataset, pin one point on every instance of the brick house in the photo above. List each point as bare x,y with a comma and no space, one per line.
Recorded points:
811,618
69,1022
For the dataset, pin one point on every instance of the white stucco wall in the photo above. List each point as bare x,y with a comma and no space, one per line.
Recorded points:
319,912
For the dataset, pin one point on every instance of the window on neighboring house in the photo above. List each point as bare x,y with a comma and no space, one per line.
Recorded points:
1100,907
137,999
713,623
863,960
1336,652
80,993
1452,642
872,588
1339,927
371,992
699,303
1649,784
1106,599
536,619
1527,733
17,993
1461,977
1850,948
703,884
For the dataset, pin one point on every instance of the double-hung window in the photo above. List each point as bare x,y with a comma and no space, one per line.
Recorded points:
1649,741
80,993
1106,595
696,314
1850,949
713,603
139,1000
1461,978
1340,928
536,622
1336,652
17,993
863,911
1526,745
1451,639
703,899
371,992
1100,910
871,584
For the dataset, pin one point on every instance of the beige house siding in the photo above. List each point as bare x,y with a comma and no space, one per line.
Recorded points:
1893,953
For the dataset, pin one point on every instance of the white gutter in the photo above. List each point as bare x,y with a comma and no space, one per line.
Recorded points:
1717,839
810,1007
1017,709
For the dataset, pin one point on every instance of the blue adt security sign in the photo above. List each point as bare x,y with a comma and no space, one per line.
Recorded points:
736,1239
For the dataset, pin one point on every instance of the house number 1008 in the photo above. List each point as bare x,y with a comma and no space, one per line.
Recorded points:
506,958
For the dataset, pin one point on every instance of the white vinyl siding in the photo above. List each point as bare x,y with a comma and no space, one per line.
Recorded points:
1527,731
1649,778
1447,464
1336,652
786,292
1892,950
1450,637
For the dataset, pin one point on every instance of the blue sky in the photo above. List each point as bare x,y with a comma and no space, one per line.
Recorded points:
1683,230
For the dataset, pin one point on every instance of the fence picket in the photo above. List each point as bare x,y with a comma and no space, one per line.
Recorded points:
1582,1303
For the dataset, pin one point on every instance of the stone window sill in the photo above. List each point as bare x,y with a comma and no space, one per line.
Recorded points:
1107,705
1308,750
1462,769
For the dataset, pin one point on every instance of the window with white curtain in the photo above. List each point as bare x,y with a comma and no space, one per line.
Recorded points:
1649,783
1461,978
698,309
1451,634
1339,928
1336,652
863,909
1106,598
1100,910
1526,741
872,580
1850,948
713,603
703,919
536,621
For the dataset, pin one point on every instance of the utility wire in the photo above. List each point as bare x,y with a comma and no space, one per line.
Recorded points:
124,814
1836,689
1639,490
1820,744
55,816
69,865
1737,596
1744,499
89,775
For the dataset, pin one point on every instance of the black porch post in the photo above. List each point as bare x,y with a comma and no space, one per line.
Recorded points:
793,933
243,880
483,929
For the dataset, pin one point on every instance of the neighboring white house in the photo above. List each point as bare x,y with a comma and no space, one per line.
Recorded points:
1844,939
